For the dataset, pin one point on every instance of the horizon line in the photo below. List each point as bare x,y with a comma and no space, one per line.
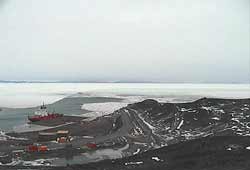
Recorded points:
128,81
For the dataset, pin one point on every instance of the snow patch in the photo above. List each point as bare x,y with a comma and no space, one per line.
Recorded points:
140,143
150,126
206,108
88,137
38,162
215,118
235,119
102,109
133,163
155,158
137,151
181,123
5,137
137,131
92,115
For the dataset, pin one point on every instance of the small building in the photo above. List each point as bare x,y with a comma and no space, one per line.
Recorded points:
36,148
91,145
32,148
42,148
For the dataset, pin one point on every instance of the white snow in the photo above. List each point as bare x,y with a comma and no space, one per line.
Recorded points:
213,108
159,114
2,136
220,110
12,95
133,163
167,128
137,151
38,162
245,108
235,119
105,108
29,127
215,118
137,131
32,127
234,127
88,137
14,162
187,110
140,143
92,115
5,137
181,123
101,109
156,158
150,126
206,108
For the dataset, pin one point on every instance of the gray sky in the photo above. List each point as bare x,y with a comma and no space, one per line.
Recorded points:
138,40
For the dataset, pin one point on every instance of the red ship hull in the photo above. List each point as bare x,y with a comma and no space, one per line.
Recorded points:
36,118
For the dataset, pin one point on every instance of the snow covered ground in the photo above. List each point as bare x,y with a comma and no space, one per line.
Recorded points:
104,108
101,109
4,137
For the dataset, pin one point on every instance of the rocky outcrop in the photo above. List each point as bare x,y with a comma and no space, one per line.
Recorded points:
206,116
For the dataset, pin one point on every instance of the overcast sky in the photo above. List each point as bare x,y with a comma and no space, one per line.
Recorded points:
136,40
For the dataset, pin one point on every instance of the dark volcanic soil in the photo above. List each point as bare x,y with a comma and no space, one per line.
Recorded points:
207,134
210,153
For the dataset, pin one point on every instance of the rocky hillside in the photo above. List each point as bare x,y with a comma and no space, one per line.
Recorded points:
204,117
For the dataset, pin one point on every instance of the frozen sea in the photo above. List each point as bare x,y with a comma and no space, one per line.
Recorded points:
20,99
20,95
